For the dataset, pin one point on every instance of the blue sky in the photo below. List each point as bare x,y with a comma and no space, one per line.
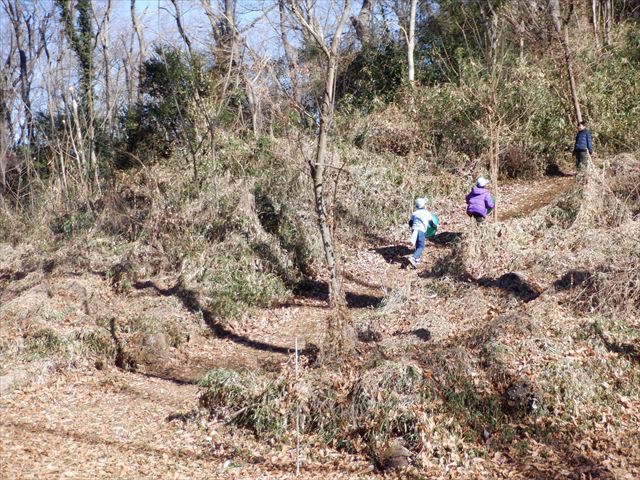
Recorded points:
159,24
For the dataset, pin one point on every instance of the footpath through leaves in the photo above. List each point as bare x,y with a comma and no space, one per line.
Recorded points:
469,333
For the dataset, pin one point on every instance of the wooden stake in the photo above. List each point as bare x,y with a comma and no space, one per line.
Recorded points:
297,418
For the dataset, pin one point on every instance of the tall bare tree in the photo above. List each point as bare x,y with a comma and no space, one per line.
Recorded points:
290,55
411,42
608,13
103,36
561,26
30,28
142,48
406,11
331,54
7,96
183,34
339,332
362,23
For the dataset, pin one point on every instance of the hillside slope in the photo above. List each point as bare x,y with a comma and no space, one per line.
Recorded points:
519,300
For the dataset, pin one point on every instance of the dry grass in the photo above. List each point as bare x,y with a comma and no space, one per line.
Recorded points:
360,411
62,321
391,131
551,299
521,314
594,256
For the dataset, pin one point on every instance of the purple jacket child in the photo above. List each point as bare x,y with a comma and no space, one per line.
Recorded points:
479,200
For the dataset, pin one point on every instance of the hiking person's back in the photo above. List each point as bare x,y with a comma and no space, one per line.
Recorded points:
479,200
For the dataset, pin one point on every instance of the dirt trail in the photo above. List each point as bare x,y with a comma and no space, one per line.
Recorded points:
111,424
525,198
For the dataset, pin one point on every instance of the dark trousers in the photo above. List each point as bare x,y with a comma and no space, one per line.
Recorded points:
479,218
581,158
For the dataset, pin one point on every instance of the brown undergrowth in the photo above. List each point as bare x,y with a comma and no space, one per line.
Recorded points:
541,346
514,352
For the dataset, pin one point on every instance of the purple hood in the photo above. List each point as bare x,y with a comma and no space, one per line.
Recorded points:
479,201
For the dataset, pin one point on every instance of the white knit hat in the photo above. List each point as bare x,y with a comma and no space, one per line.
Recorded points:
482,182
421,202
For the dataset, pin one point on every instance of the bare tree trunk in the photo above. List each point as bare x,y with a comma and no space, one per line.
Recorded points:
495,71
317,171
18,22
494,160
4,149
256,111
183,34
572,78
127,66
141,45
595,21
25,90
6,97
5,129
492,35
106,65
608,21
521,31
339,339
411,42
77,142
229,13
289,52
362,23
254,98
336,296
562,30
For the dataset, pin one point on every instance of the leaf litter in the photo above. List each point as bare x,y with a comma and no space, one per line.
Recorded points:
79,422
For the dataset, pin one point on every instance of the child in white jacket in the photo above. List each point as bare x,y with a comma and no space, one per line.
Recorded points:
421,220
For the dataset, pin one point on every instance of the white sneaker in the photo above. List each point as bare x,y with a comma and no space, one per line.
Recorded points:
413,262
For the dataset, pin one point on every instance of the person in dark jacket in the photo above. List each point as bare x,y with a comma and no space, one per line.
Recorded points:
479,201
584,144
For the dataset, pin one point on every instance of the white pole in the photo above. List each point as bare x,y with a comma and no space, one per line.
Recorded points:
297,418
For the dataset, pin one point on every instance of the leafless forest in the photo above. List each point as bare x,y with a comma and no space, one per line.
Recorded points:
204,240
